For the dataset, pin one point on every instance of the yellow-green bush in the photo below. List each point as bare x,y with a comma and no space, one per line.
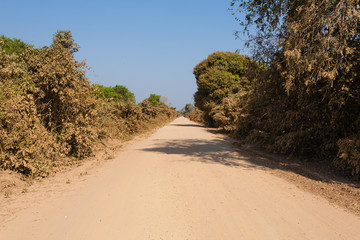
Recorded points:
216,78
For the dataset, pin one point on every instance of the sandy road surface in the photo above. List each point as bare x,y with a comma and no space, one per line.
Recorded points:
181,183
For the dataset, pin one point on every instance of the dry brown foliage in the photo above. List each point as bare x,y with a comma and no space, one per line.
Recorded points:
196,116
25,144
124,119
49,109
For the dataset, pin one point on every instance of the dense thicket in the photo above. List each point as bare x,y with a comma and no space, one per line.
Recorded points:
305,100
49,110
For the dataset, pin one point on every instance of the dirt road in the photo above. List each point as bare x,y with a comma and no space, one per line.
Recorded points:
181,183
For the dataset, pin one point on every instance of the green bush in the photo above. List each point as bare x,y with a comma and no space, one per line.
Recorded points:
11,46
154,99
117,93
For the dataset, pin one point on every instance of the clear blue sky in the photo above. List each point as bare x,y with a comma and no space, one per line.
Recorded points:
150,46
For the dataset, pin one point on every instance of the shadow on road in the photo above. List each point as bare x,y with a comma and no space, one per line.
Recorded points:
185,125
215,151
220,151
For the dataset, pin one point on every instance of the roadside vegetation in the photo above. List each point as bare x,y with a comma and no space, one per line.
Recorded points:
118,93
50,112
299,94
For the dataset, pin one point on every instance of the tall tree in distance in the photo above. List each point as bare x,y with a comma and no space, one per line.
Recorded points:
217,76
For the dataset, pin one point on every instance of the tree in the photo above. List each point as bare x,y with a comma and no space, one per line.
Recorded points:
217,76
154,99
188,108
165,101
12,45
308,101
64,39
311,40
63,95
117,93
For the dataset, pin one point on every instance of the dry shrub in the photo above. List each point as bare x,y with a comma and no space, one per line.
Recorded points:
196,116
314,121
63,95
109,125
138,117
49,110
25,144
120,120
308,101
128,115
348,158
228,114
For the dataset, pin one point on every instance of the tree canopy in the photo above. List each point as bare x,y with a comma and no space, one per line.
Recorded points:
310,40
219,75
189,108
154,99
305,97
12,45
117,93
